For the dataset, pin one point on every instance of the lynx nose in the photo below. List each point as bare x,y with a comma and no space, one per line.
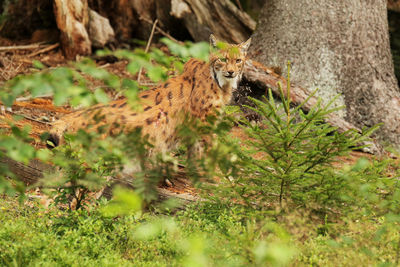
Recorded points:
230,73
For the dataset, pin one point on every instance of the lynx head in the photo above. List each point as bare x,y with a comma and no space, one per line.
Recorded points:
227,62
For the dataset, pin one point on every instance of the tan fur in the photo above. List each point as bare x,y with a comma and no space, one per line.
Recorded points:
199,91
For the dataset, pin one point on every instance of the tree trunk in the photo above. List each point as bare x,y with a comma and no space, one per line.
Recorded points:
340,47
182,19
222,18
72,19
81,28
20,19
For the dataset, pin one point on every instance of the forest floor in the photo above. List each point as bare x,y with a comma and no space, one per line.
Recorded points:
39,113
204,234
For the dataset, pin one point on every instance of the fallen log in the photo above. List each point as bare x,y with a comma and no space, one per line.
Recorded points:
31,174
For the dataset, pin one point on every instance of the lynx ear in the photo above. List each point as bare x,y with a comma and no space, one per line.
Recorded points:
213,41
245,45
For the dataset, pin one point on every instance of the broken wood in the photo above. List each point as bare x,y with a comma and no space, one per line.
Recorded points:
85,23
100,31
178,19
72,17
256,72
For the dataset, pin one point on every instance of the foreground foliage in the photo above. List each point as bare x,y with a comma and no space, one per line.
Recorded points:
280,197
205,234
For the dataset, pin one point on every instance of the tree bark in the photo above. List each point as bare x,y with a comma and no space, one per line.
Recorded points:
222,18
81,28
340,47
20,19
182,19
72,17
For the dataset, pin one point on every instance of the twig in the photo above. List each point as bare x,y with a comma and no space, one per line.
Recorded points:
44,50
148,84
25,60
104,66
21,47
27,98
239,5
151,36
162,31
148,47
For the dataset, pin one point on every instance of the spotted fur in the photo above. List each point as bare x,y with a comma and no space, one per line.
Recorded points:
199,91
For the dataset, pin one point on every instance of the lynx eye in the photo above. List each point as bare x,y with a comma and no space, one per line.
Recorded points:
238,60
223,59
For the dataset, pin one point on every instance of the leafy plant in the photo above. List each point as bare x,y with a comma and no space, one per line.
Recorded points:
290,155
87,160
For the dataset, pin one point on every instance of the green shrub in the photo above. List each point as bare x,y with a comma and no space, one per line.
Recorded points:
87,161
289,155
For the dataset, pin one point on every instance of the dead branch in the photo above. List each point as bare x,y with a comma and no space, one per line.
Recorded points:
44,50
22,47
148,46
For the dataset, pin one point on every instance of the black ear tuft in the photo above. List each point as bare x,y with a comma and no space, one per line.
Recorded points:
52,141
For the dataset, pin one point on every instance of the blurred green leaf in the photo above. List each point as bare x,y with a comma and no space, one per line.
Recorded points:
133,67
37,64
124,202
43,154
157,74
101,96
200,50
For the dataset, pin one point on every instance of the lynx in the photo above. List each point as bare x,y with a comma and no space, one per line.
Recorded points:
202,89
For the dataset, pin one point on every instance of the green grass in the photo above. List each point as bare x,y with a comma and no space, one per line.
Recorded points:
205,234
